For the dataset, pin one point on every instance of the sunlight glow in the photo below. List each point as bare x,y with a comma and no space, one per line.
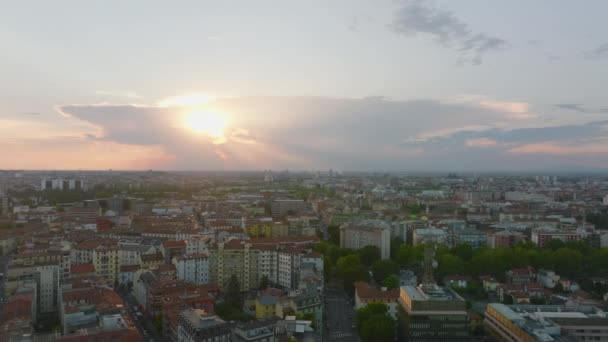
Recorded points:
208,123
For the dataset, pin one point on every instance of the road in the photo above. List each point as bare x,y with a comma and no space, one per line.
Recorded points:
339,317
4,270
145,325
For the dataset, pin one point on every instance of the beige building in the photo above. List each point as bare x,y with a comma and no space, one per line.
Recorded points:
358,234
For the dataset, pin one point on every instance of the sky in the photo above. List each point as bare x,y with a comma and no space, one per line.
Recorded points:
354,85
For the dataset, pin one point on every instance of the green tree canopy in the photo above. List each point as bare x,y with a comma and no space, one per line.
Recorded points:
391,282
369,254
381,269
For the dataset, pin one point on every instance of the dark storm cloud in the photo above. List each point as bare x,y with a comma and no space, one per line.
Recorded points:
601,51
419,17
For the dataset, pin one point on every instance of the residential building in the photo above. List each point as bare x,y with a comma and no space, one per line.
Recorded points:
521,276
422,235
473,237
192,267
547,278
407,278
366,294
282,207
106,262
358,234
256,331
43,275
504,239
195,325
541,236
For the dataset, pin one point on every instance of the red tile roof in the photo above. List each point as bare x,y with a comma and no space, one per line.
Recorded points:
174,244
82,268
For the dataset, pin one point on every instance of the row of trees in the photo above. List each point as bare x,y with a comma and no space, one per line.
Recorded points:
374,323
574,259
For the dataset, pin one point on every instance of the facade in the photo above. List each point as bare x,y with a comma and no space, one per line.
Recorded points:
61,184
432,313
521,276
282,207
193,268
197,326
256,331
421,235
358,234
44,276
545,323
541,236
130,254
236,258
106,262
473,237
366,294
547,278
504,239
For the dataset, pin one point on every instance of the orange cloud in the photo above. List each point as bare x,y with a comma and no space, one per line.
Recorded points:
480,142
554,148
80,153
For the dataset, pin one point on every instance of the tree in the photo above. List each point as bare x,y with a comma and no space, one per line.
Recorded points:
381,269
334,234
391,282
395,246
555,244
369,254
567,261
264,282
348,262
374,323
233,293
507,300
464,251
450,264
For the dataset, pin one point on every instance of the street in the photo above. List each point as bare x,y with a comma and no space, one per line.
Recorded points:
3,269
340,317
145,325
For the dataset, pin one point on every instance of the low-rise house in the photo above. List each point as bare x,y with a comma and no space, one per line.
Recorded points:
547,278
457,280
407,278
520,276
366,294
489,283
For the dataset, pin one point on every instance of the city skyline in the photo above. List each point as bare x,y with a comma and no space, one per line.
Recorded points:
359,86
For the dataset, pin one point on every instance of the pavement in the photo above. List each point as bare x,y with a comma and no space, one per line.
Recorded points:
340,317
143,323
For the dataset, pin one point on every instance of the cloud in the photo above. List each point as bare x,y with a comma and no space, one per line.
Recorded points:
601,51
373,133
480,142
418,16
578,107
560,149
125,94
80,153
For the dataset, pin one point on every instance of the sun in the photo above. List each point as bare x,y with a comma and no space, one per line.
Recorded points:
208,123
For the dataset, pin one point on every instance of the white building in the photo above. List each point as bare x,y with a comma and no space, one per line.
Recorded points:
61,184
358,234
422,235
547,278
605,201
130,254
192,267
289,264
